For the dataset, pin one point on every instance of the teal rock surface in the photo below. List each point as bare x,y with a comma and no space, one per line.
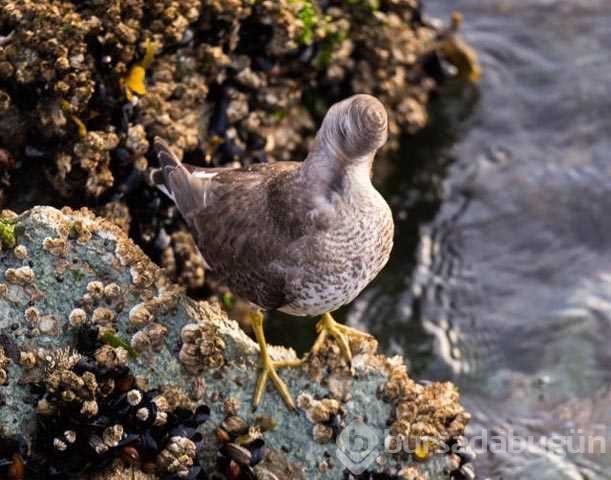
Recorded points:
69,270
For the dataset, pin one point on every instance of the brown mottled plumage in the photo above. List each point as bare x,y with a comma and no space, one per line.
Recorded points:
303,238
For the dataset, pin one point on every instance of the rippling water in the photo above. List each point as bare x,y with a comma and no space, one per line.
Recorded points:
501,279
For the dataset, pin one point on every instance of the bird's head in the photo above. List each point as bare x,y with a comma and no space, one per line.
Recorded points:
355,128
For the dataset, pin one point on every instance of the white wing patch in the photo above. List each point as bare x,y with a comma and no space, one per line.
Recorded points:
202,174
166,192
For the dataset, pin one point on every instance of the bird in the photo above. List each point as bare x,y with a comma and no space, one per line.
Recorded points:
304,238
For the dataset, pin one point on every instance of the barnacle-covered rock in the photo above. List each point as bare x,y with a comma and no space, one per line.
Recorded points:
93,152
86,396
182,260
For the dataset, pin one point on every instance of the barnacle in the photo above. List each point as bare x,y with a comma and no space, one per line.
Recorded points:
20,252
111,357
95,288
77,317
103,316
56,246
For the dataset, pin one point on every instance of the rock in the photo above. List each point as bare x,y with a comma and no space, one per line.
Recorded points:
193,356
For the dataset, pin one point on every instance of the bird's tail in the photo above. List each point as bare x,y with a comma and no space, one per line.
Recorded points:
177,182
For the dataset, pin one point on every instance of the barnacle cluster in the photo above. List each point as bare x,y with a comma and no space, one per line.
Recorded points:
423,416
330,365
202,347
94,414
326,414
93,152
20,276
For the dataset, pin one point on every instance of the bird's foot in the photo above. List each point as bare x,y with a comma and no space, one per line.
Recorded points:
268,372
327,326
269,366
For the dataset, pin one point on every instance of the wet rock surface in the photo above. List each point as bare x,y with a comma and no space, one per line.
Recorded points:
108,366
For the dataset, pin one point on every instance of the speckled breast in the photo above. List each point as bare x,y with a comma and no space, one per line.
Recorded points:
346,258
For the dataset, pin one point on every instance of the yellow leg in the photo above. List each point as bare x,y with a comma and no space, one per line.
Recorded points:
268,367
326,326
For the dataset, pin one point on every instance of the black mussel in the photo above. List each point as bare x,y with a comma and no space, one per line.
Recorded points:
219,122
130,439
132,183
183,431
229,151
337,424
255,142
202,414
247,473
262,63
147,446
122,156
237,453
87,340
306,54
257,449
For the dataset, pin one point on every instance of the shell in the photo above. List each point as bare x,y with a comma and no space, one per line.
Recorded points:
77,317
19,276
95,289
237,453
134,397
113,435
103,316
20,252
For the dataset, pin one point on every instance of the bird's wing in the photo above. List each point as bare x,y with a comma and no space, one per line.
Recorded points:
236,218
187,186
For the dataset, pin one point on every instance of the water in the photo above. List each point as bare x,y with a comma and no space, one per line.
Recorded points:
501,279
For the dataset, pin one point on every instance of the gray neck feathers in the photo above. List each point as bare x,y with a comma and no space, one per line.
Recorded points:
341,158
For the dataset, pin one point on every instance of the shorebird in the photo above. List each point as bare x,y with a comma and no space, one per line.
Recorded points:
305,237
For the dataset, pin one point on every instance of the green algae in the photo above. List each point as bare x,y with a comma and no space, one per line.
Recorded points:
116,341
7,233
228,300
309,19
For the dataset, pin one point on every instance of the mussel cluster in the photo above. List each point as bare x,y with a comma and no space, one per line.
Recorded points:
91,417
242,447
